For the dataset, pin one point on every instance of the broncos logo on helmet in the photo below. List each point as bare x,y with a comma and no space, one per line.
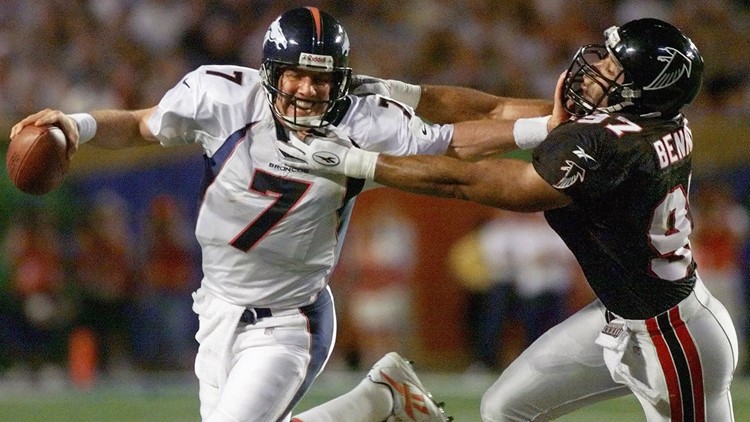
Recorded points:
276,35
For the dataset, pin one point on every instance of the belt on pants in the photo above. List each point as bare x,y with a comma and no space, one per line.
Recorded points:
251,315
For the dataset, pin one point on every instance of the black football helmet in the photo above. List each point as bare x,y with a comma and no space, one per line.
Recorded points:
662,71
306,38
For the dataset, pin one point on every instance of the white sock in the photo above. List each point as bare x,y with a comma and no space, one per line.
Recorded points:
367,402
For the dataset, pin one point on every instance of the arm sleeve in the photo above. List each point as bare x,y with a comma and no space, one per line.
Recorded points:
183,112
573,161
173,121
382,124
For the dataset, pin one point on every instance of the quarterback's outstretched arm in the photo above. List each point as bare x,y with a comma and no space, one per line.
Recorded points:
485,124
505,130
451,104
498,182
111,129
503,183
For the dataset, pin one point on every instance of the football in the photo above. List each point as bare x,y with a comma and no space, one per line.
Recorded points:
37,159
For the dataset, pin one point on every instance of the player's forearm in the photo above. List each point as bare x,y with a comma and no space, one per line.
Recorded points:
450,178
503,183
481,138
116,129
450,104
432,175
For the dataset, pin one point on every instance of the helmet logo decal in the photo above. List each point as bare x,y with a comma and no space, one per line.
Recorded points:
677,65
276,35
316,60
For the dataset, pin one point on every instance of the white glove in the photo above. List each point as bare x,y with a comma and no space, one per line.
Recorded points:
408,94
328,154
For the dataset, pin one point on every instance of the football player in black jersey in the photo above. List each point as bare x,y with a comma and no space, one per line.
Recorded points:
613,182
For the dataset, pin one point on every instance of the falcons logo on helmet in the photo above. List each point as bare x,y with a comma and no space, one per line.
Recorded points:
573,173
677,65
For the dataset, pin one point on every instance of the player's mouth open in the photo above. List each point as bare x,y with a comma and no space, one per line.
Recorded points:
305,108
303,105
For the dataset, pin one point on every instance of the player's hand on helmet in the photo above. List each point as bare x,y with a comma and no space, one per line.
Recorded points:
559,113
327,152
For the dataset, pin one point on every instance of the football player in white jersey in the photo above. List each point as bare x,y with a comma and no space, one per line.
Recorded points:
270,234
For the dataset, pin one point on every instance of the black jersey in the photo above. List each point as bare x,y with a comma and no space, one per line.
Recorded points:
629,222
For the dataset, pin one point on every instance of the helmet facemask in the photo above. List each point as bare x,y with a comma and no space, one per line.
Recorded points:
271,72
617,92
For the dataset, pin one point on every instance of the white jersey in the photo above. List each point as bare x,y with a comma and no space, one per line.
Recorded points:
270,234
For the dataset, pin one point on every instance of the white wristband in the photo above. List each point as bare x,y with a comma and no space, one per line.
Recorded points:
86,126
530,132
360,164
406,93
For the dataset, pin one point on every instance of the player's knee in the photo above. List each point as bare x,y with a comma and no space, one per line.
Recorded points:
493,406
221,416
488,412
499,404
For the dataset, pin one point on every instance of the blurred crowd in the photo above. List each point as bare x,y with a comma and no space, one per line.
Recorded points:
79,55
519,277
82,54
116,297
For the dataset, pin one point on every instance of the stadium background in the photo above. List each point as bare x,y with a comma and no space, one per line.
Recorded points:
91,54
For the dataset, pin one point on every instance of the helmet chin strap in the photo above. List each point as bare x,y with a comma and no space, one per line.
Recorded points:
616,107
623,105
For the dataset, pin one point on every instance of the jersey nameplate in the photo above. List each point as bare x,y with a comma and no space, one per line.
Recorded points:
673,147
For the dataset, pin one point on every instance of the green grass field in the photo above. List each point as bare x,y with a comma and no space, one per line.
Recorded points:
176,400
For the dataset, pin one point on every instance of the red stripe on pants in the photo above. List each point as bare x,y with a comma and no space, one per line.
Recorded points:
667,366
694,362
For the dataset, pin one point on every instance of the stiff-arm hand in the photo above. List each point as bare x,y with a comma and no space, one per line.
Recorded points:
328,154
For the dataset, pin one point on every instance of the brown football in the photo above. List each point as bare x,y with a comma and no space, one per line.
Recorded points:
37,159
